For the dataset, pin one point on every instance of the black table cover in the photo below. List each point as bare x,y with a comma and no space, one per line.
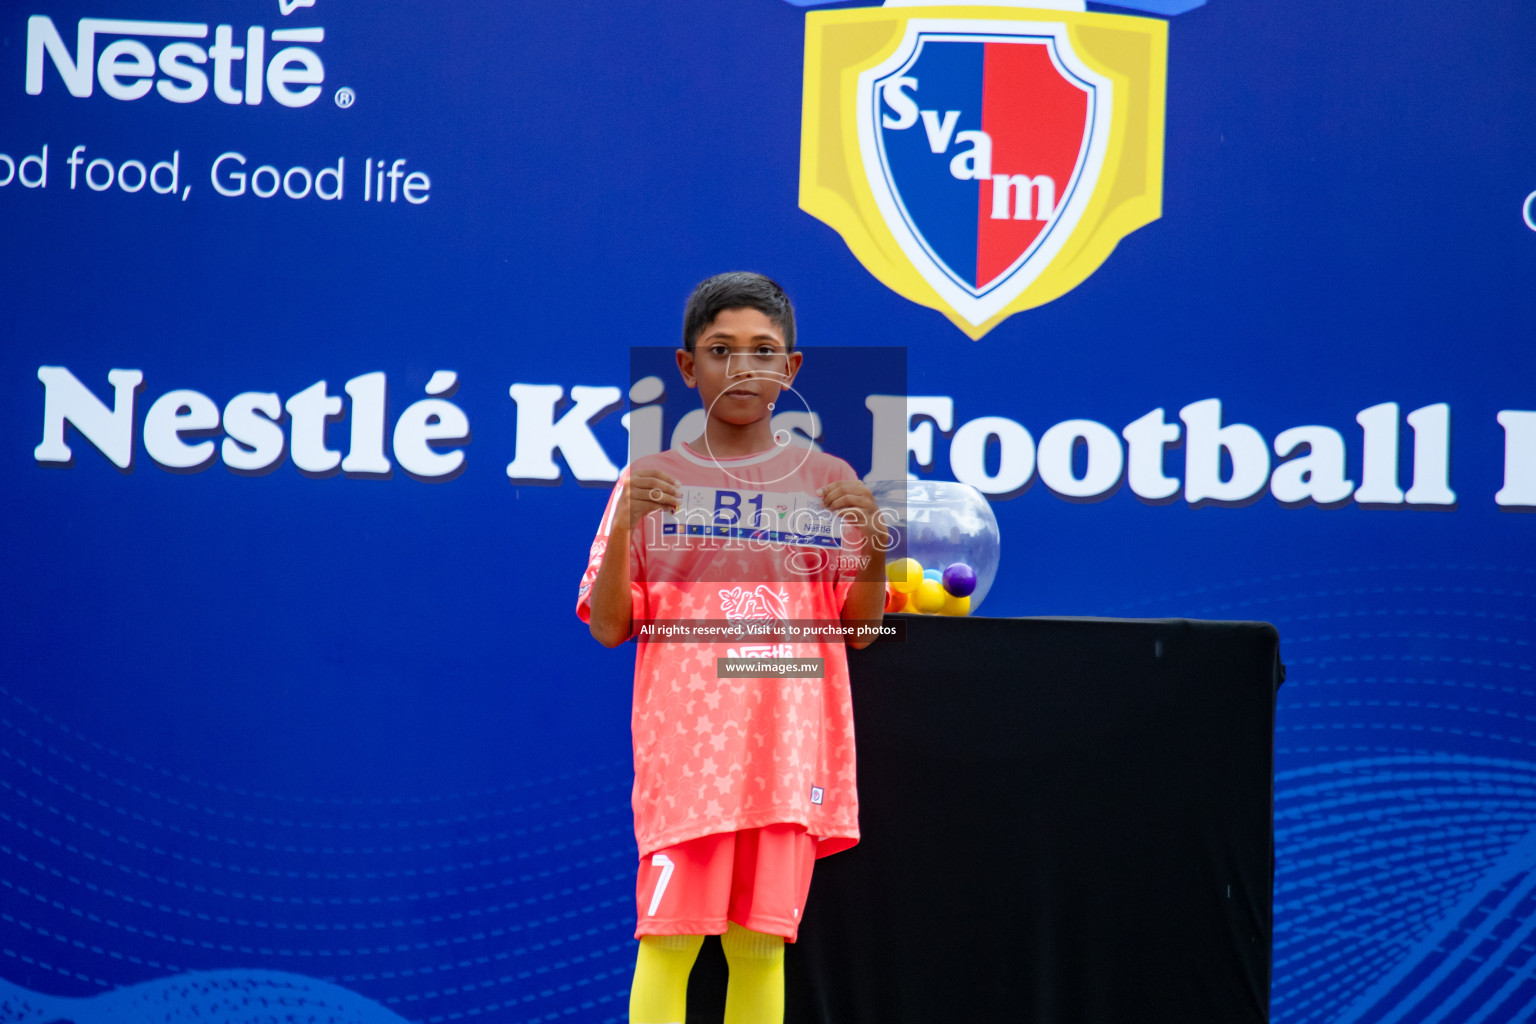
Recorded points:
1064,820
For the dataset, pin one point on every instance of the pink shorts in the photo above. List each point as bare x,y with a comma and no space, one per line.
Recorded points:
757,877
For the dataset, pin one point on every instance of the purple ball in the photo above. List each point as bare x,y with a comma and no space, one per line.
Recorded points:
960,580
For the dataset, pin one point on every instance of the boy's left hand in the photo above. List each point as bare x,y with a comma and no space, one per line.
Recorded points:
853,502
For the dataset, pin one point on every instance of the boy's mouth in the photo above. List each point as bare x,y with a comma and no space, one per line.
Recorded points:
740,392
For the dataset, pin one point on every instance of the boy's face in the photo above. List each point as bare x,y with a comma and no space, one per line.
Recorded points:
739,364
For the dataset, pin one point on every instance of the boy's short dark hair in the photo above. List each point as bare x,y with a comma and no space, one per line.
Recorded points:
738,289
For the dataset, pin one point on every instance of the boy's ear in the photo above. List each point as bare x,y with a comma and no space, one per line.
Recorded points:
795,359
685,367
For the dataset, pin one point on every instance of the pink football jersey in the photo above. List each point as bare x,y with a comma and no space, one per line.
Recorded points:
717,754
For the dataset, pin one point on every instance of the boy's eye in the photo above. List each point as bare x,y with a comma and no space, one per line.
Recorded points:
719,351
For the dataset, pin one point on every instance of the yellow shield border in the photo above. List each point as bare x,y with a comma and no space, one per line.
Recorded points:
839,45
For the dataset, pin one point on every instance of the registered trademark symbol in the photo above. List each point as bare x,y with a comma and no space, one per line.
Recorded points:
345,97
1528,211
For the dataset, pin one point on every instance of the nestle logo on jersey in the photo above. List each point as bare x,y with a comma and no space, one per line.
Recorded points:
126,68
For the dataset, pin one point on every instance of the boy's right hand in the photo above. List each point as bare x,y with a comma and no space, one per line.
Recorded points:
645,492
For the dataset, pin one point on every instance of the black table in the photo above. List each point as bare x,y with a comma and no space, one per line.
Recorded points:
1064,820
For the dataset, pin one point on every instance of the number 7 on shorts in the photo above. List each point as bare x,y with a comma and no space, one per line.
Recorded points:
664,862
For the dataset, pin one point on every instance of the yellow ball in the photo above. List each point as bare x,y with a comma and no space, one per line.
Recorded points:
957,605
905,574
929,598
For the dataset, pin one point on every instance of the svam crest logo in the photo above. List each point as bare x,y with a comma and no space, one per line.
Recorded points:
982,160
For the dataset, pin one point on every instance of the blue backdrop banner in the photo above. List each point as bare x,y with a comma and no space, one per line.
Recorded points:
319,321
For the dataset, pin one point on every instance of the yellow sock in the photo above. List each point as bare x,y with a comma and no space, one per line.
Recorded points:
659,994
755,993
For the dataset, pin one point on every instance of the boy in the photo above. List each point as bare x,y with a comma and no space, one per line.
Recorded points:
740,782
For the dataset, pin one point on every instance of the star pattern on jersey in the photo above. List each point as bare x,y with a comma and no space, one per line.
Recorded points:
717,754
